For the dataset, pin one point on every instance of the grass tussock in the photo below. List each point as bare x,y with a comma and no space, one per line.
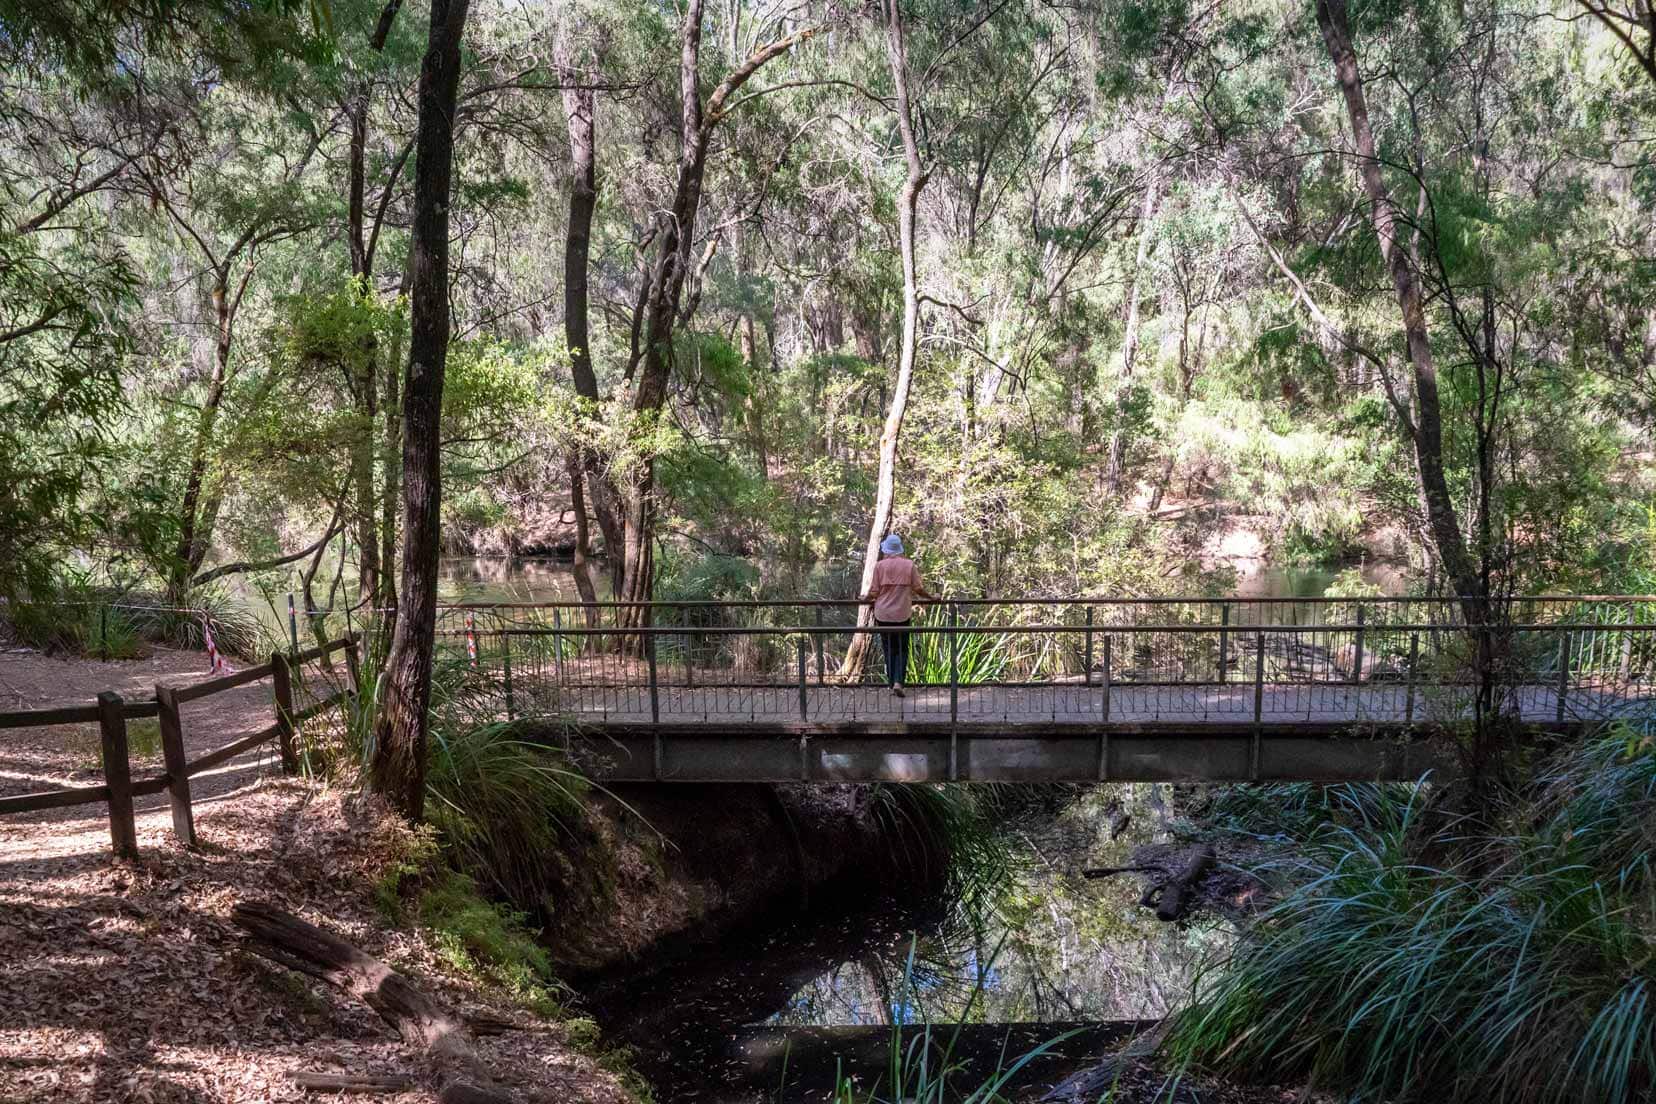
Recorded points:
945,834
78,619
1411,962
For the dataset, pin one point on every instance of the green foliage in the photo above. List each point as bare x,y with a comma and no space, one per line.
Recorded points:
946,834
499,804
923,1068
1410,962
490,943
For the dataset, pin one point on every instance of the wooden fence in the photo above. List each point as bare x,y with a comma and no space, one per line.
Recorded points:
111,713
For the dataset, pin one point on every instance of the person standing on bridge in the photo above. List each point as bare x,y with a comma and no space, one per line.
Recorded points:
896,582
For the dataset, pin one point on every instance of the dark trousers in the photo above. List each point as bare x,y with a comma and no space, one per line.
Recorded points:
894,638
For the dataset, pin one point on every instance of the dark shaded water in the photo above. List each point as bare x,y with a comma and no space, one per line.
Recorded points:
777,1013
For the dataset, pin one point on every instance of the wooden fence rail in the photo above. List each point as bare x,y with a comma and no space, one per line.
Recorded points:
111,713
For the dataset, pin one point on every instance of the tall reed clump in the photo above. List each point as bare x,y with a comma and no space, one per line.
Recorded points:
1412,963
925,1066
945,834
498,802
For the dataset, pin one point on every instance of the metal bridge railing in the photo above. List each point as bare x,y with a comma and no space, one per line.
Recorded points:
1097,671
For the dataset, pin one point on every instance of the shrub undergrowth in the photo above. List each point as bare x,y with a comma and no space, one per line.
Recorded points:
1412,961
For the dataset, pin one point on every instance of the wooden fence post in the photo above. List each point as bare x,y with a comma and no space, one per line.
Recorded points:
282,690
117,769
172,751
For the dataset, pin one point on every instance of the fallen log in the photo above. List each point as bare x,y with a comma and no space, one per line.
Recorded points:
1176,896
420,1019
1112,871
352,1082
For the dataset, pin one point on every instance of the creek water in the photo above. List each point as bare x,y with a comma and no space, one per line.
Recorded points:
778,1013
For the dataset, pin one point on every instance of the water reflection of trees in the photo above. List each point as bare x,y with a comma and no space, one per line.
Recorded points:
1058,947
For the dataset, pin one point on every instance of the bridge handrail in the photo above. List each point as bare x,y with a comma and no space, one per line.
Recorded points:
1097,627
807,603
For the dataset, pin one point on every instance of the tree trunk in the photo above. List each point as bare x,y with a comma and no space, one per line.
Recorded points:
398,767
1130,337
674,236
1426,431
580,108
583,565
390,485
199,508
897,57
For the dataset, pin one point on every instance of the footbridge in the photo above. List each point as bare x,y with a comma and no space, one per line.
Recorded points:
1224,689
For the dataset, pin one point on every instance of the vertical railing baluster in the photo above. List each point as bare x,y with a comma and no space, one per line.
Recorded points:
1106,706
816,642
1357,649
954,666
1563,674
1086,663
557,645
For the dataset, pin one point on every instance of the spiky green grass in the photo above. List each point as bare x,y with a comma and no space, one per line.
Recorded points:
1412,963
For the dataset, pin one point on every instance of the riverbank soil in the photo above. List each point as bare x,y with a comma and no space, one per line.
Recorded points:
126,981
657,873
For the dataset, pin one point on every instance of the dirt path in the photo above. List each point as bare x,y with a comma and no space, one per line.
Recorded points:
33,759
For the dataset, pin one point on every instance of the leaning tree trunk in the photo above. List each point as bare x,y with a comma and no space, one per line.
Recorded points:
1427,428
897,56
582,566
676,233
398,767
1117,459
580,108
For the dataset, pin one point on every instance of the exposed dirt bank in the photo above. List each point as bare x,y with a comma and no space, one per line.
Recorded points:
660,870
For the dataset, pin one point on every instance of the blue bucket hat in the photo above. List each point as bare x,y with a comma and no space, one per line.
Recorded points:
892,545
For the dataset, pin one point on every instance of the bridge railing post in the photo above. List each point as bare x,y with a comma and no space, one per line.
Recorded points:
1224,642
816,641
954,666
557,645
1087,661
655,695
804,703
506,670
1414,665
1106,707
1357,655
1259,675
1563,674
